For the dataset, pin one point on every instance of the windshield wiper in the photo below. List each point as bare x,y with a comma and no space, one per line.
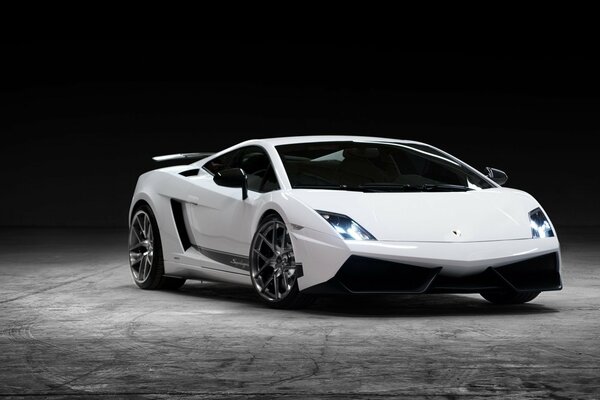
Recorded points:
407,187
390,187
358,188
446,187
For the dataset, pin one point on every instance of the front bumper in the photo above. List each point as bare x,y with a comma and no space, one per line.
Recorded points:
370,275
332,265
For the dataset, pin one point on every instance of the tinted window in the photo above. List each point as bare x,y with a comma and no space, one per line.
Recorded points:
220,163
254,161
383,166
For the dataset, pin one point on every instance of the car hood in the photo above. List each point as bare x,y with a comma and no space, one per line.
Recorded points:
472,216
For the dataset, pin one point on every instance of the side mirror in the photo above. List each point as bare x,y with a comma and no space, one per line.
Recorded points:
497,175
233,177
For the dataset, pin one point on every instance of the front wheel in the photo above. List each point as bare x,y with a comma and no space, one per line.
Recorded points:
509,297
273,267
145,252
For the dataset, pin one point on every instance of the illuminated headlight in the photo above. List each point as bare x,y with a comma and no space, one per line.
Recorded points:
540,226
346,227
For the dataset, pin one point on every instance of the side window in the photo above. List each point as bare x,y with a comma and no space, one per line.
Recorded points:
256,164
220,163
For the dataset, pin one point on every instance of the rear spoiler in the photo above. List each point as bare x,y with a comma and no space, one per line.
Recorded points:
182,156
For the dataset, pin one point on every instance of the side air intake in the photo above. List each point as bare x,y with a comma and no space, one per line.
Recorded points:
190,172
177,208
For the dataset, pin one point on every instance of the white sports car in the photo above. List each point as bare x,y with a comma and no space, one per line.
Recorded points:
296,217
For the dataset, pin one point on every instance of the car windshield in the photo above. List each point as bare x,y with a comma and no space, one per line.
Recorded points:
376,167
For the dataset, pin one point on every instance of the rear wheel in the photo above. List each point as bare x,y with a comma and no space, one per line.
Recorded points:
509,297
145,253
273,267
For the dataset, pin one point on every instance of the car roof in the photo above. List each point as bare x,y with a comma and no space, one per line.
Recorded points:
277,141
322,138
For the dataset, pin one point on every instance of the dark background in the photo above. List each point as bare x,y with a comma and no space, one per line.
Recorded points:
81,120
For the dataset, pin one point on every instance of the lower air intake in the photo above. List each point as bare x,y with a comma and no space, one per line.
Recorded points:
369,275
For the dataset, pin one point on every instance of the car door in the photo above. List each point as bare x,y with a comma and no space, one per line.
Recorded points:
219,218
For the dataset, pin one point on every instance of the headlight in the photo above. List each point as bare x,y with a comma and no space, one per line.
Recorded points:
540,226
346,227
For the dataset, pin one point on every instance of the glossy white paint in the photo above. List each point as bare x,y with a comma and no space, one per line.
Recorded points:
415,228
480,215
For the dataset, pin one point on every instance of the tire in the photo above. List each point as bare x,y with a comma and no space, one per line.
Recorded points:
272,266
509,297
145,250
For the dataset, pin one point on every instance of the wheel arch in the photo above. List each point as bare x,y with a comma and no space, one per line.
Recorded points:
268,213
137,205
139,200
269,209
291,211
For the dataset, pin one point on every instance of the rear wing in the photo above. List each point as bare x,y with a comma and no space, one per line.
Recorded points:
182,156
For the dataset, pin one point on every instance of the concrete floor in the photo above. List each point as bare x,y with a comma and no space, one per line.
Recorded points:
73,324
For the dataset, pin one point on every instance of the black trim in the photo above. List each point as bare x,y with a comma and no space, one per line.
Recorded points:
538,273
177,209
190,172
486,280
299,270
332,286
236,260
233,260
369,275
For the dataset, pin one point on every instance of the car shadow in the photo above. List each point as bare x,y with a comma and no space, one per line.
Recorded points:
373,305
219,291
426,305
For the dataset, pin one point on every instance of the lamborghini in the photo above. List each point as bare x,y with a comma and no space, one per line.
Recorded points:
298,217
